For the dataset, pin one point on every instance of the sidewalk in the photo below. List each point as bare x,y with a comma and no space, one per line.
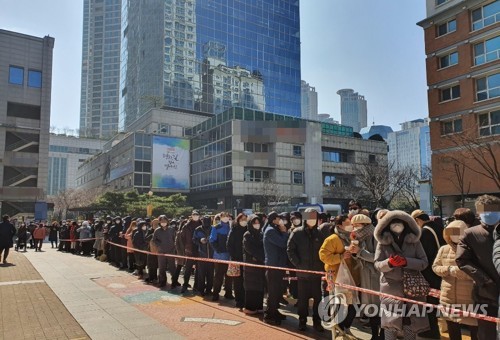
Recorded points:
29,308
100,313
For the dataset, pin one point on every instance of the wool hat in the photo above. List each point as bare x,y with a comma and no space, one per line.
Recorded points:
361,218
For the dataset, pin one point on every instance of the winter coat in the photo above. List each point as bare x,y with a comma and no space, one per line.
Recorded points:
186,234
455,289
431,249
218,240
39,233
130,245
331,252
164,239
369,276
53,233
303,250
354,267
114,233
99,242
7,232
139,240
391,278
85,231
275,243
475,258
22,234
324,229
204,249
235,242
253,252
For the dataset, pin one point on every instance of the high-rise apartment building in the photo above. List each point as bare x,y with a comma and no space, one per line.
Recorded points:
309,101
99,102
462,43
210,56
25,92
410,147
353,110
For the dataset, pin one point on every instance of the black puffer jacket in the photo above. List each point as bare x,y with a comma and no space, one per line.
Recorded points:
253,252
475,258
431,249
235,242
303,250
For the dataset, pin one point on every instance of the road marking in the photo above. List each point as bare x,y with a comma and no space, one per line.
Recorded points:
210,320
9,283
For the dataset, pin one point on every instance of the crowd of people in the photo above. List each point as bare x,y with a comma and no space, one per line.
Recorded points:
391,252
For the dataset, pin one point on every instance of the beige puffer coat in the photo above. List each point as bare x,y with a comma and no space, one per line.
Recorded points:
456,286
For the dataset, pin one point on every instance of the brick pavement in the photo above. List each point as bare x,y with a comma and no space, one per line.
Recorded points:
29,309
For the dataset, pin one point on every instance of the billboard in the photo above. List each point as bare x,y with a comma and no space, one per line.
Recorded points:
170,168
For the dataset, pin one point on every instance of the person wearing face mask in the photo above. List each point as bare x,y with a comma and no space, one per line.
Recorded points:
64,235
399,249
105,232
235,248
189,247
22,237
99,239
275,242
475,258
139,243
285,221
152,259
205,270
164,240
362,248
218,240
303,251
456,285
343,228
432,240
354,208
254,278
296,221
114,236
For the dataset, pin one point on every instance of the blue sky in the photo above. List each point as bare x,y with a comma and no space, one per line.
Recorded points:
373,47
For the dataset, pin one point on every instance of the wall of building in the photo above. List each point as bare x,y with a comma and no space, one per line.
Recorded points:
24,120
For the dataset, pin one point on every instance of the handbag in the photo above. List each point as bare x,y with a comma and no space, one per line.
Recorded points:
233,270
414,284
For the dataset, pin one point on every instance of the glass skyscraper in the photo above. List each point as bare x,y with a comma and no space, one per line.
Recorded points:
99,102
209,56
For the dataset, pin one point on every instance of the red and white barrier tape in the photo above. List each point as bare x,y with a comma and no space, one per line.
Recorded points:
433,292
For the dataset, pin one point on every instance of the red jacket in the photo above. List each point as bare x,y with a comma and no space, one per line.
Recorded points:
39,233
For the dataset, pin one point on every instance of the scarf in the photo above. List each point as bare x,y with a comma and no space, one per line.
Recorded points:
345,236
365,232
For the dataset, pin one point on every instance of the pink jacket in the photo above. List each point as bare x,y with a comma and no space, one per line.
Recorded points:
39,233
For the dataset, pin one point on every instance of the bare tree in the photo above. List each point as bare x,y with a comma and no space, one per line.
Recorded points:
270,195
481,156
409,192
74,198
456,175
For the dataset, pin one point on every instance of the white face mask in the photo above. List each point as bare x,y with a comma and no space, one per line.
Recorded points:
397,228
145,227
353,212
311,223
256,226
296,222
225,219
455,238
281,222
117,221
358,227
243,223
164,224
348,228
196,217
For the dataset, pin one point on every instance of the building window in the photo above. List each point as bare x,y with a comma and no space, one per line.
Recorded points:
333,180
297,150
448,60
487,51
255,175
440,2
297,177
16,75
451,126
488,87
256,147
335,156
447,27
372,159
34,78
450,93
486,16
489,123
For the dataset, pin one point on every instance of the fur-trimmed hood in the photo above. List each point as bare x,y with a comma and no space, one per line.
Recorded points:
384,236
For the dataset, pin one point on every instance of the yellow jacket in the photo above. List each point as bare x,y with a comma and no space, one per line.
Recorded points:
331,252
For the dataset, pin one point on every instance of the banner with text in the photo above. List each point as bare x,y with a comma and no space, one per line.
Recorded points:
170,163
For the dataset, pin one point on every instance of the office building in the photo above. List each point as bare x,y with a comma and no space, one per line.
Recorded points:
353,109
25,93
233,159
309,101
209,56
66,153
462,43
372,130
410,147
100,68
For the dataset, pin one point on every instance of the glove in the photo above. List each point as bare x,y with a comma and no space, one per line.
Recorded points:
397,261
454,270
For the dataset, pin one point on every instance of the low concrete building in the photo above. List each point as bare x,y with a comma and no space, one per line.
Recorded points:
25,93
